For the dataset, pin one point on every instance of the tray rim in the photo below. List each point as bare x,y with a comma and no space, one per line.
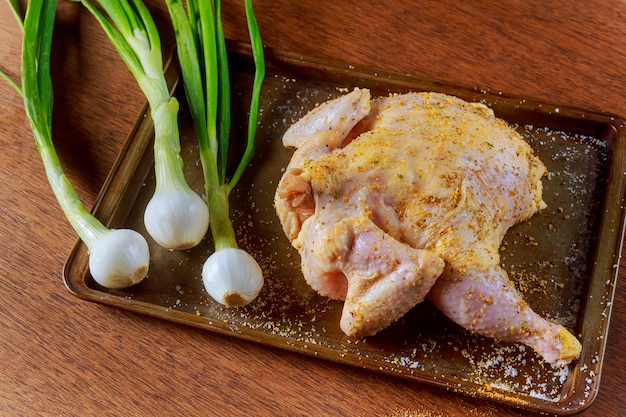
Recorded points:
615,228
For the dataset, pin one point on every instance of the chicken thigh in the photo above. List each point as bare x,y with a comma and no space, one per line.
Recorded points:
393,200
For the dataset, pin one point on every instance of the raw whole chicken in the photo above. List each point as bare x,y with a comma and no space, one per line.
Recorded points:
393,200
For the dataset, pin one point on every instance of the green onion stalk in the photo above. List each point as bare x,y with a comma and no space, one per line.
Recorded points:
118,258
230,275
15,8
176,217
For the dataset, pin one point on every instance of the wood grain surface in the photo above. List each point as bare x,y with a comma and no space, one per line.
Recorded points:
65,357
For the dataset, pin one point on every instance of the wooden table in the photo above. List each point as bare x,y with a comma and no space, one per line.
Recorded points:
64,356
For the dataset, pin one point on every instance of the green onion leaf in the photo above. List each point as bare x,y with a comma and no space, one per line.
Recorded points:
259,76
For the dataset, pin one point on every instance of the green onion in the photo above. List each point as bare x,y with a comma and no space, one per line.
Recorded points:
118,258
176,217
230,275
15,8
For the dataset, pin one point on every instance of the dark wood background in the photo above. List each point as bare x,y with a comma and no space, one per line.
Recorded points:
65,357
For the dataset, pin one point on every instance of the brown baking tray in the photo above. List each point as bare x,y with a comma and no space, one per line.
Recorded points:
564,260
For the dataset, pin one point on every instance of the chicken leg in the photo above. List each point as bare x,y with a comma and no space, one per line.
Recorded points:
486,302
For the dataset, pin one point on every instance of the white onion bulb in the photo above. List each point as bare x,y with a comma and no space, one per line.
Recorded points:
177,218
232,277
119,258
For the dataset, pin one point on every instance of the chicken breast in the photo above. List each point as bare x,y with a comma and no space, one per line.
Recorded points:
392,200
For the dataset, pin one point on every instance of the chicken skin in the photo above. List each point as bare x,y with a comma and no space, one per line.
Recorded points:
395,199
